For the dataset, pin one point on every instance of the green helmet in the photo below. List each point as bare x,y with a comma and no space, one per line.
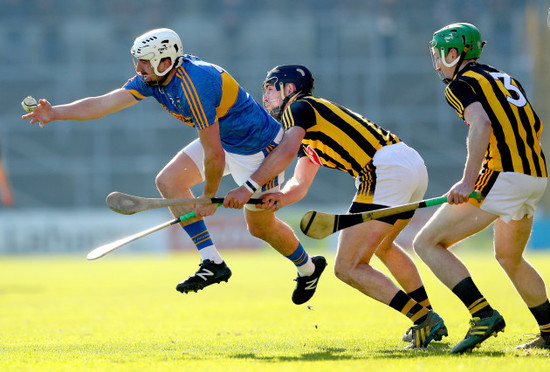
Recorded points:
459,36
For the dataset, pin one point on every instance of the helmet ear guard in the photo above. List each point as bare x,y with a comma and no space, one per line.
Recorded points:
157,45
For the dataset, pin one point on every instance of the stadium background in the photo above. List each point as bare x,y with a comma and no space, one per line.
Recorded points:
371,56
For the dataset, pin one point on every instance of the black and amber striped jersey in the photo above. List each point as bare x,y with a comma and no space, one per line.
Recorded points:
516,130
336,137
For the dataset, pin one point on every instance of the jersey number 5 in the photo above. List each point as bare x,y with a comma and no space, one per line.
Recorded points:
507,81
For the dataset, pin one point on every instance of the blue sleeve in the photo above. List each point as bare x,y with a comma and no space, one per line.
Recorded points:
137,87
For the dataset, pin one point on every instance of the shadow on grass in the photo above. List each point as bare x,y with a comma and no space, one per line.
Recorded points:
436,350
325,354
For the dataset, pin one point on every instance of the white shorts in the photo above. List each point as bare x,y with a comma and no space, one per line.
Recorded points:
400,176
514,196
240,167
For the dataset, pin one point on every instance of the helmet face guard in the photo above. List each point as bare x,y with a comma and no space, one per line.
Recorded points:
157,45
437,59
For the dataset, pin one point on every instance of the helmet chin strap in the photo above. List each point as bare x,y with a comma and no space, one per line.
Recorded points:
278,112
163,77
156,83
458,61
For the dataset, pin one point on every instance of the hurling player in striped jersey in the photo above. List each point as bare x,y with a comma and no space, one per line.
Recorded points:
506,164
386,171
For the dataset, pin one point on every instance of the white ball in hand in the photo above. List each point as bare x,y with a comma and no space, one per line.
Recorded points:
29,104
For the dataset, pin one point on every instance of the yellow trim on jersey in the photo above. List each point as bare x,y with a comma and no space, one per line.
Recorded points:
454,102
270,184
193,99
136,94
230,92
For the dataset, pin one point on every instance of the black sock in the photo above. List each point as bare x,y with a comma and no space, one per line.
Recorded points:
406,305
468,293
542,316
420,296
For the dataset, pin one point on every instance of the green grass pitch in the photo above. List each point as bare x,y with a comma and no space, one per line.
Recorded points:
122,313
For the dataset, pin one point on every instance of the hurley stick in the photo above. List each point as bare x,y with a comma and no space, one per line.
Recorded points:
319,225
108,248
130,204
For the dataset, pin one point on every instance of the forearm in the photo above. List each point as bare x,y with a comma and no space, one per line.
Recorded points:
478,140
83,109
479,136
297,187
293,191
275,163
94,107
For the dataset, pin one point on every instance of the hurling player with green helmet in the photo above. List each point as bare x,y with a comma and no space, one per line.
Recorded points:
386,171
505,163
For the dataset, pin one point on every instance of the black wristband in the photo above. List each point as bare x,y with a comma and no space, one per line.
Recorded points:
250,186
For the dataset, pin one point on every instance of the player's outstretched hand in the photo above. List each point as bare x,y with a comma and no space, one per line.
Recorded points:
42,114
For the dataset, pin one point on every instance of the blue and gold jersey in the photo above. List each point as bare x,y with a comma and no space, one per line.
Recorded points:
201,94
514,145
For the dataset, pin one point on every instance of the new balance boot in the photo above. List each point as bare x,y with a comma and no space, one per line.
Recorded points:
306,285
207,274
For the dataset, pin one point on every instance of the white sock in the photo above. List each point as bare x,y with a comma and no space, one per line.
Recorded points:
306,269
211,253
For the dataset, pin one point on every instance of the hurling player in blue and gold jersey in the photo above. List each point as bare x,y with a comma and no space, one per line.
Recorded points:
235,135
387,173
505,162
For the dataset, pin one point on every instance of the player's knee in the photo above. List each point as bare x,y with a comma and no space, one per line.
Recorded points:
161,181
258,230
419,245
255,231
508,261
167,184
343,271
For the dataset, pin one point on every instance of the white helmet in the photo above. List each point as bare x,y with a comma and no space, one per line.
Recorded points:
156,45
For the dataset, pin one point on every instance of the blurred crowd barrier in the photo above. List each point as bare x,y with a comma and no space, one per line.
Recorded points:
54,231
